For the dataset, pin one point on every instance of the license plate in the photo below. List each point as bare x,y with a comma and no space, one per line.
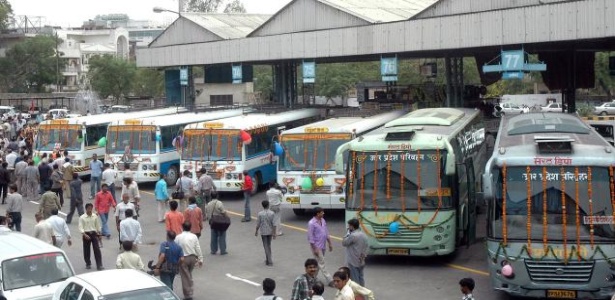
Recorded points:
397,251
561,294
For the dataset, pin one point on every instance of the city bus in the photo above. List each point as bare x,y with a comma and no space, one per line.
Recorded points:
81,135
309,152
146,144
412,184
218,146
603,126
550,191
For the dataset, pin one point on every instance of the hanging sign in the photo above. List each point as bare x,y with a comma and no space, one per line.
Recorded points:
513,65
309,71
237,73
183,76
388,68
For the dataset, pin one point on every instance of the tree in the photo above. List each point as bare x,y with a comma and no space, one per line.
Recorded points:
205,6
235,6
6,13
29,65
148,82
111,76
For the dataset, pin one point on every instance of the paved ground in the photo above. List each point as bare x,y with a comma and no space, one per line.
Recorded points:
238,275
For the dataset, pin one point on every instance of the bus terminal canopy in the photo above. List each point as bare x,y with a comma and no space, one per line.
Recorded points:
337,31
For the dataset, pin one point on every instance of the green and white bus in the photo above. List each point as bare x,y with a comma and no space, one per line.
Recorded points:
413,183
551,223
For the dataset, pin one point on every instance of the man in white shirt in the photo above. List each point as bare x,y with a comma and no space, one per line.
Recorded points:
274,195
10,158
344,292
130,229
43,231
60,229
129,259
108,177
20,176
193,256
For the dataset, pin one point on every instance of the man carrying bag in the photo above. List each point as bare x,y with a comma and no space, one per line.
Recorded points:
219,223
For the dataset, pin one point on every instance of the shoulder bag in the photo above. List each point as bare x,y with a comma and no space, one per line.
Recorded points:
219,222
168,267
178,193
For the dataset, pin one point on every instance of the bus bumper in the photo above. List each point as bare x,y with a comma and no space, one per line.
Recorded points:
309,201
139,176
228,186
436,250
541,292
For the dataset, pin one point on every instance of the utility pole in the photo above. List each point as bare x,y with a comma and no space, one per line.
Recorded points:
58,88
181,6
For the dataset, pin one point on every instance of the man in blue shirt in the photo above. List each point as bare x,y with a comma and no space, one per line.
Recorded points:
96,167
162,198
171,255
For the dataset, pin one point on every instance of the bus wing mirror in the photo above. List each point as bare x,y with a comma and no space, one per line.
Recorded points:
488,192
339,158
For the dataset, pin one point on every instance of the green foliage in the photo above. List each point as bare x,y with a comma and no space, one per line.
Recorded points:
235,6
29,65
6,12
604,81
585,110
203,5
148,82
111,76
263,81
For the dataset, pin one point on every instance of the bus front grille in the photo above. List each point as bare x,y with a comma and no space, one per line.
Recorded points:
556,272
403,235
318,190
133,166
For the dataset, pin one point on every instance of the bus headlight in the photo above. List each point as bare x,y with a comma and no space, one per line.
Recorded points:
229,176
440,229
150,167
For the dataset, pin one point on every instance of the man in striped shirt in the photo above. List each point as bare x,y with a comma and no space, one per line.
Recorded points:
302,287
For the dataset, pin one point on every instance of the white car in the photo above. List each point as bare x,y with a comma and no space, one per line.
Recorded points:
604,109
58,113
552,107
511,109
118,284
119,108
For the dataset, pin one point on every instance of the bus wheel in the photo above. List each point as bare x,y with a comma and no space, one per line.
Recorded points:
172,175
299,212
256,181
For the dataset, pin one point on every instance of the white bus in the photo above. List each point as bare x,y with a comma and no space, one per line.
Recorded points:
309,152
80,136
146,144
217,146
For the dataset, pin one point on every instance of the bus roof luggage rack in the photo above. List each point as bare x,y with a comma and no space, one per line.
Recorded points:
562,124
554,144
399,136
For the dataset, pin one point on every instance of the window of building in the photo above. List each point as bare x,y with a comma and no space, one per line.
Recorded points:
220,100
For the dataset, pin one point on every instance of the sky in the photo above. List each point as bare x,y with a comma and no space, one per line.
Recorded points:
73,13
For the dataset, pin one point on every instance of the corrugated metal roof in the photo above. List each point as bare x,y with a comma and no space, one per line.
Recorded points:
228,26
381,11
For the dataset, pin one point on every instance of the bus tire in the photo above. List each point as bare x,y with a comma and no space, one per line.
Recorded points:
172,175
256,181
299,211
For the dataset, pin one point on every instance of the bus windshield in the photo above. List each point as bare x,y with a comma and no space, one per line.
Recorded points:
397,180
558,196
52,137
212,145
131,139
310,151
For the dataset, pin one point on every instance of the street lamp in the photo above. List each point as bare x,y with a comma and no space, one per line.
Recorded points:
160,9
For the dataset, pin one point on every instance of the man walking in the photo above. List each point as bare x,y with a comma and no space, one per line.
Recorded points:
15,208
96,169
247,191
44,176
131,189
184,184
218,237
76,198
60,229
43,231
172,255
302,286
267,227
194,215
162,197
89,226
103,203
20,175
120,211
33,182
356,245
274,195
5,180
57,181
130,229
49,201
193,256
318,236
108,178
129,259
206,186
174,219
67,176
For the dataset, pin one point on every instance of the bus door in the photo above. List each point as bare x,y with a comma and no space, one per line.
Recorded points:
469,230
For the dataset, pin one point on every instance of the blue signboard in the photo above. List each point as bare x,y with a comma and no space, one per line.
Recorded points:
237,73
309,72
513,75
513,60
183,76
513,65
388,68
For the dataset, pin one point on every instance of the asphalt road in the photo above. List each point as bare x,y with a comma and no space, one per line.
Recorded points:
239,274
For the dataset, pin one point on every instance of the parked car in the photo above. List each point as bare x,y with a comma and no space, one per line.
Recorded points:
10,111
607,108
119,108
119,284
73,115
511,109
552,107
58,113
